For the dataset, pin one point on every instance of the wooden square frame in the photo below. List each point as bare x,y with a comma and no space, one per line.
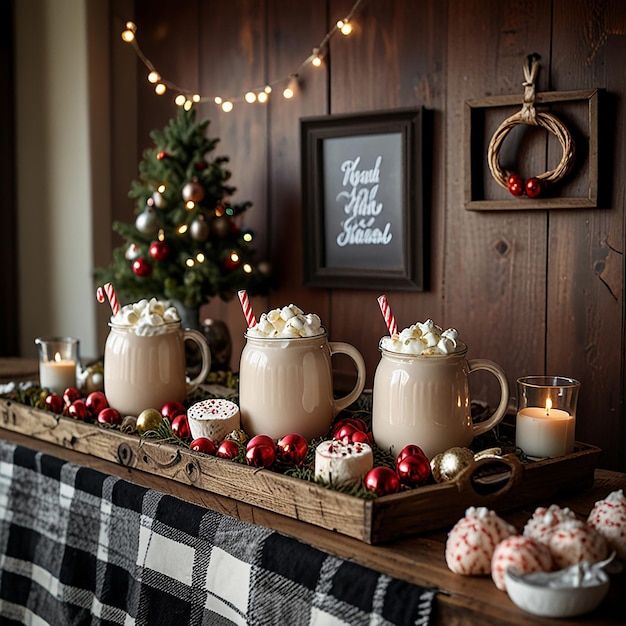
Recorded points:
475,150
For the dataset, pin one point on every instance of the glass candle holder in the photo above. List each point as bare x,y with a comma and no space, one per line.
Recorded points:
58,362
546,415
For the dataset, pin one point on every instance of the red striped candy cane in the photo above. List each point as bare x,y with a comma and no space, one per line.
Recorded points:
247,308
112,297
390,320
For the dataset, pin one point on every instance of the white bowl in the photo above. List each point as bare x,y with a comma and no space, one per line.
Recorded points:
540,599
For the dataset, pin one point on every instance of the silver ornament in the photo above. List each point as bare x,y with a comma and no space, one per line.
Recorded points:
193,192
147,222
159,201
199,229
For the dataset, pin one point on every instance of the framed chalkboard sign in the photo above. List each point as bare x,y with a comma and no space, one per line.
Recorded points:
362,200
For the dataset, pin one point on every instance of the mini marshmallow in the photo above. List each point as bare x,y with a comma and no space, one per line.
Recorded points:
424,338
287,322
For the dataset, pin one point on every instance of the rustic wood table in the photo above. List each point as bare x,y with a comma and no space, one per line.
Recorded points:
418,559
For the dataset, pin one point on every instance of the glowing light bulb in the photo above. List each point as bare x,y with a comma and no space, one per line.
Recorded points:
227,106
161,235
290,90
316,61
182,229
262,97
250,97
344,27
161,188
128,35
154,77
190,262
160,89
247,268
190,205
234,257
217,100
188,104
247,237
200,257
180,100
196,97
268,89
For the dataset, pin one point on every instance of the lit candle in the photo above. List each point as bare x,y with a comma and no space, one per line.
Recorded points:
57,375
545,432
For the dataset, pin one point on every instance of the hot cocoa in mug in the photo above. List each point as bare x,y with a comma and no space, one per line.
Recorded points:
144,358
421,391
285,376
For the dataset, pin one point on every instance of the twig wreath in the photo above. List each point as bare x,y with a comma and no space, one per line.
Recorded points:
511,181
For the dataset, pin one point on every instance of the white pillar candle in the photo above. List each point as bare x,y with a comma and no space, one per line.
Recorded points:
545,432
57,375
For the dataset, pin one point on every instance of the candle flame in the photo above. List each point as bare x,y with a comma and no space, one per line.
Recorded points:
548,405
57,357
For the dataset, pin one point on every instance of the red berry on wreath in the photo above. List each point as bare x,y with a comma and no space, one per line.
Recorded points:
161,155
533,187
141,267
159,250
516,185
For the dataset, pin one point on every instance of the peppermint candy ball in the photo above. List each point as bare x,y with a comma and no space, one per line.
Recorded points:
608,517
522,555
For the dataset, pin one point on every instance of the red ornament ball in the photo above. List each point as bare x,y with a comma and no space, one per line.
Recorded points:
70,395
228,449
533,187
260,454
170,410
382,481
202,444
159,250
409,450
292,449
193,192
54,403
266,440
413,470
96,401
180,427
142,268
161,155
78,410
109,415
516,185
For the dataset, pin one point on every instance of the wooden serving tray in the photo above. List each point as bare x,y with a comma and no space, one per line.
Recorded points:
508,485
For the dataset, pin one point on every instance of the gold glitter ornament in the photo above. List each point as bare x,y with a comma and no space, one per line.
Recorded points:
449,464
238,435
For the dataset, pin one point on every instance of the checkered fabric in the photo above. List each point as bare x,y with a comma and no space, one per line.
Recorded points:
80,547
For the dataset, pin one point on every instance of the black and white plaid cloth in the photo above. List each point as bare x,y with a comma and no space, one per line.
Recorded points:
80,547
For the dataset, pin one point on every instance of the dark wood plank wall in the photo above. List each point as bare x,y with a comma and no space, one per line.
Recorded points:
537,291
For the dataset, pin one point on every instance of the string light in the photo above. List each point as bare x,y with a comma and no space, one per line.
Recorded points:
186,99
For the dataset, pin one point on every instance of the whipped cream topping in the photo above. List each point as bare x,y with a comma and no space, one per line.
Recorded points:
290,321
424,338
146,317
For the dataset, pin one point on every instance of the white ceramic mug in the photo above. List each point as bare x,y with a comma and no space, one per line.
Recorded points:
286,386
146,371
425,400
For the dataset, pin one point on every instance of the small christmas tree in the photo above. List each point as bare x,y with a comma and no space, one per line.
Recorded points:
187,242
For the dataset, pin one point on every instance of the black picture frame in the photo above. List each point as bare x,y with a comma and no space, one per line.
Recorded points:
363,201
